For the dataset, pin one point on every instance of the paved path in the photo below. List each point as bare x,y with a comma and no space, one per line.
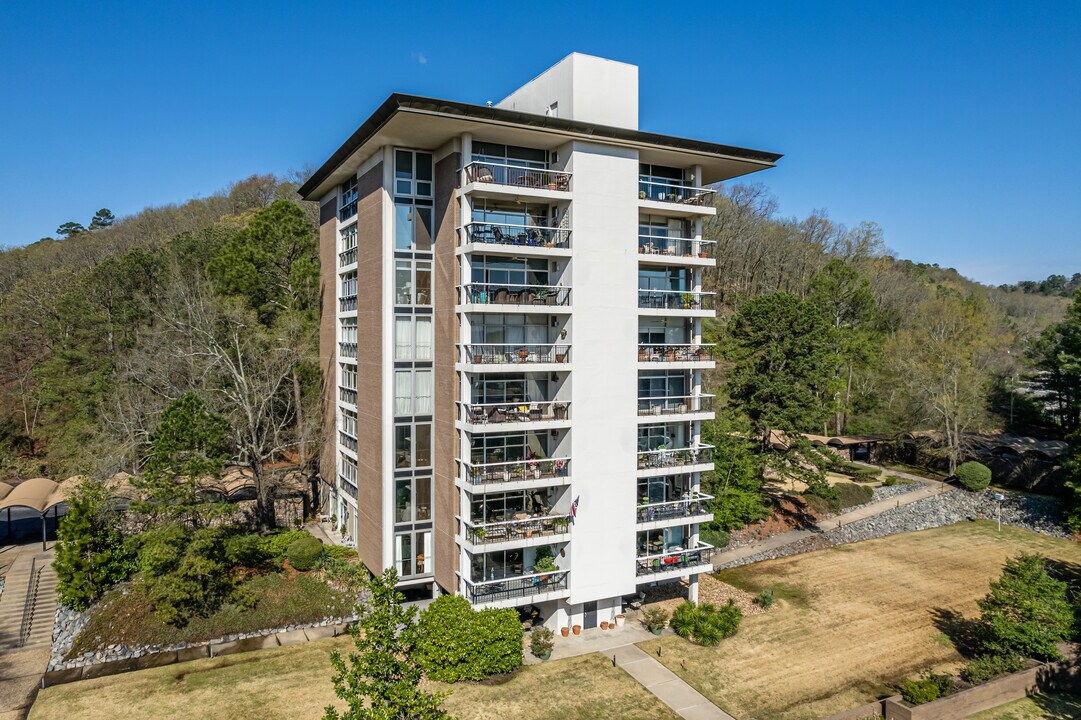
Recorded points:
773,542
666,685
21,666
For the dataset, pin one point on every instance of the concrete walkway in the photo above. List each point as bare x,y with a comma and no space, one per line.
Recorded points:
666,685
21,666
773,542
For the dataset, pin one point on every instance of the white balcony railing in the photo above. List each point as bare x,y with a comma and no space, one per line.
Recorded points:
675,299
513,412
675,353
673,191
487,473
675,246
689,506
520,528
517,176
675,405
675,457
517,235
676,558
514,294
513,588
514,353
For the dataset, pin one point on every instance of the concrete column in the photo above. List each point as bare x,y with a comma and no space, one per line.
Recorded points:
692,591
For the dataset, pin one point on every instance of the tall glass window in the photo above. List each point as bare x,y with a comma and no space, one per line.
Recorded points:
413,173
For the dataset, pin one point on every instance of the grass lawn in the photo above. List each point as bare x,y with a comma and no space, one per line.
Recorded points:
282,599
294,682
1048,706
850,621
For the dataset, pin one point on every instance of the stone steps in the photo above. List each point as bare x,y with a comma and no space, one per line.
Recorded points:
42,604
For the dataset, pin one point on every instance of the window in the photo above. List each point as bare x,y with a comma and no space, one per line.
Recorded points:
347,472
510,271
413,282
348,199
412,173
501,507
498,565
413,553
664,279
347,246
509,155
412,392
659,384
652,437
510,329
412,227
506,448
347,337
412,446
662,331
663,489
349,376
510,388
656,542
412,500
349,284
412,337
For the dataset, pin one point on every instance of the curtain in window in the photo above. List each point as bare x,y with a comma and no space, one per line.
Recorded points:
403,338
424,392
403,393
424,338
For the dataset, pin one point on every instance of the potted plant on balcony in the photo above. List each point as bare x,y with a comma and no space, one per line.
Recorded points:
534,469
558,466
523,354
687,299
641,194
477,358
560,357
541,642
654,618
560,524
561,411
479,534
545,562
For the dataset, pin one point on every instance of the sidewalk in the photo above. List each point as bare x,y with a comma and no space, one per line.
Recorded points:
930,488
21,666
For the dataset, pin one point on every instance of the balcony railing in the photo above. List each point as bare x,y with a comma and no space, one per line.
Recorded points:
674,246
347,303
517,235
517,176
513,412
347,257
488,473
513,294
347,395
512,354
347,486
347,349
675,299
673,191
675,457
516,529
675,404
675,353
347,440
691,505
349,208
516,587
675,558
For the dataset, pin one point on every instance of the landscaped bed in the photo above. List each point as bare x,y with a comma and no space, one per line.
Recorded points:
294,682
852,621
1045,706
125,615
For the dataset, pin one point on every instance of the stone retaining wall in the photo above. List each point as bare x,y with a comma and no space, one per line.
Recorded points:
142,659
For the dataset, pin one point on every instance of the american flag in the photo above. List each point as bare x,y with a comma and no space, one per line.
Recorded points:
574,508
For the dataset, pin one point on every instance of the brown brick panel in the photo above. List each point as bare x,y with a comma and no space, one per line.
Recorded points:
445,331
328,299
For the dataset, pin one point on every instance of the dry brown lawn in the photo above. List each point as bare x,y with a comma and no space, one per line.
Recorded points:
294,682
851,620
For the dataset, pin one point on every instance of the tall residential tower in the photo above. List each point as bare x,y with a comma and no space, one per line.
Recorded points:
512,342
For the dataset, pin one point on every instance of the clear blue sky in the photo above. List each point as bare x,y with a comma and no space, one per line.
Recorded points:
956,126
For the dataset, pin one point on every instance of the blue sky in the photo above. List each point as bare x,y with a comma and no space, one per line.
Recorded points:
956,126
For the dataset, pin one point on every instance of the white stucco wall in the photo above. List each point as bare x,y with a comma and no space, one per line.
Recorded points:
604,268
585,88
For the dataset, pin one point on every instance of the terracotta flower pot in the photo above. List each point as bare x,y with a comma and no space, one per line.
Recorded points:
564,631
604,624
577,629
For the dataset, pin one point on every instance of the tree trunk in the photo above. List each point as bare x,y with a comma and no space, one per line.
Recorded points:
264,498
302,440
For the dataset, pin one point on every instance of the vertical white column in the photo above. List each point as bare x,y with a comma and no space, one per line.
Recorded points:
465,214
387,357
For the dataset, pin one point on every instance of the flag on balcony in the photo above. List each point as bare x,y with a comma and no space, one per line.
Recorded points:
574,509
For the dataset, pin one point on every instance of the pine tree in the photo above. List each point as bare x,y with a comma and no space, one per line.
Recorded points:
90,552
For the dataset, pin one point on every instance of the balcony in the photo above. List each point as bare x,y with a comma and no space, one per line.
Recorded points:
347,441
512,354
685,353
517,176
347,395
675,457
517,236
667,190
517,296
675,405
676,560
671,248
674,300
510,413
497,473
693,505
347,303
516,588
347,257
347,350
520,528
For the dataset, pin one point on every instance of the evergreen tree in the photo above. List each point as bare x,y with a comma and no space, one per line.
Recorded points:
70,229
1027,612
102,219
380,681
90,552
1056,356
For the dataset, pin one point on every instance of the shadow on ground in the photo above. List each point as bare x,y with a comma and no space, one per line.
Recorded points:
963,632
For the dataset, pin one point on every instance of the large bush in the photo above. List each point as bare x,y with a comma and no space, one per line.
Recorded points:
705,624
457,642
973,476
305,553
91,554
185,573
851,494
928,688
1026,613
276,543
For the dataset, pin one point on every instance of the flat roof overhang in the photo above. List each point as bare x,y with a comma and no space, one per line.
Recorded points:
427,123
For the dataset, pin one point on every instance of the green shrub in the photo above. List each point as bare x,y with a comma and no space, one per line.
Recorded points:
92,554
705,624
245,550
989,667
460,643
275,544
185,573
716,538
973,476
918,692
821,497
541,641
764,599
337,552
851,494
1026,613
305,553
654,617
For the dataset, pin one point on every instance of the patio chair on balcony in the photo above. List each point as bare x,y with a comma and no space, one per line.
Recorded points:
483,173
497,234
501,296
477,416
497,416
